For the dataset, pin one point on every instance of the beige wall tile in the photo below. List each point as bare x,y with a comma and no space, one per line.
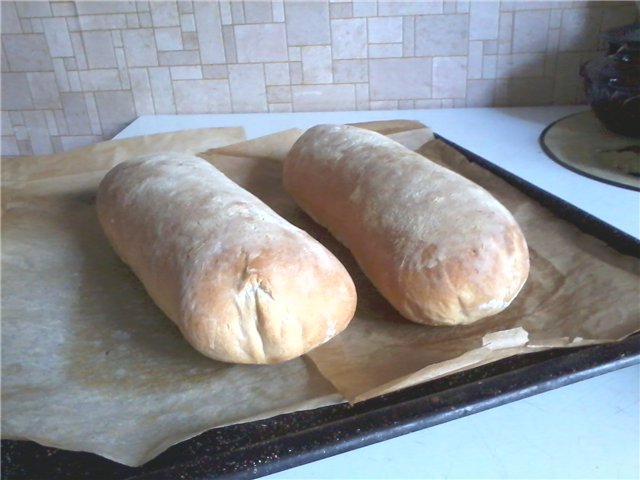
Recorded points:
553,41
187,22
25,26
116,38
168,38
341,10
277,73
490,66
9,147
140,47
277,10
579,29
63,9
74,82
314,98
215,71
102,22
164,14
141,90
27,53
186,73
98,47
57,35
439,35
349,38
364,8
237,12
122,68
44,91
115,110
530,31
93,7
505,33
78,51
254,55
385,29
295,72
15,92
190,41
280,108
100,80
261,43
490,47
10,19
520,65
392,8
480,93
61,122
61,74
350,71
383,105
207,17
183,57
362,96
475,59
449,77
408,36
92,110
5,123
78,141
185,6
449,6
229,39
295,54
316,65
484,20
257,11
36,25
400,79
555,18
279,94
530,91
162,90
385,50
307,22
202,96
39,137
133,21
33,9
144,20
51,122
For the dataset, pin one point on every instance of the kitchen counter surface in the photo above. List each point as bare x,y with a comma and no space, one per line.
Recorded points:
590,429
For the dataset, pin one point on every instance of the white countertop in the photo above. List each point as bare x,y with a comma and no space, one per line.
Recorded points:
590,429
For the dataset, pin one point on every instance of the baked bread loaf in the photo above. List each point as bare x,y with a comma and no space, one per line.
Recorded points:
438,247
241,283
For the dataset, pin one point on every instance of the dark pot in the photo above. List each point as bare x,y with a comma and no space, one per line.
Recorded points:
612,82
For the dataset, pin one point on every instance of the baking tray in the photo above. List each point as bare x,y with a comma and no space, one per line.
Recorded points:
262,447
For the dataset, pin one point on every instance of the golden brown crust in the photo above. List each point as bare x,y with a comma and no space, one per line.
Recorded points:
241,283
440,248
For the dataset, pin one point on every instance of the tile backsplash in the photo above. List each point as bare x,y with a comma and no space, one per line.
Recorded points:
75,73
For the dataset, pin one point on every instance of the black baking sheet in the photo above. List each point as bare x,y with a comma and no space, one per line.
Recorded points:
258,448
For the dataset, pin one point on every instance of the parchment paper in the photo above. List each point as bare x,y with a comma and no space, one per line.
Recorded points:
89,363
579,290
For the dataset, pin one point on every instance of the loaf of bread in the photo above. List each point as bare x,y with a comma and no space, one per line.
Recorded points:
241,283
438,247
